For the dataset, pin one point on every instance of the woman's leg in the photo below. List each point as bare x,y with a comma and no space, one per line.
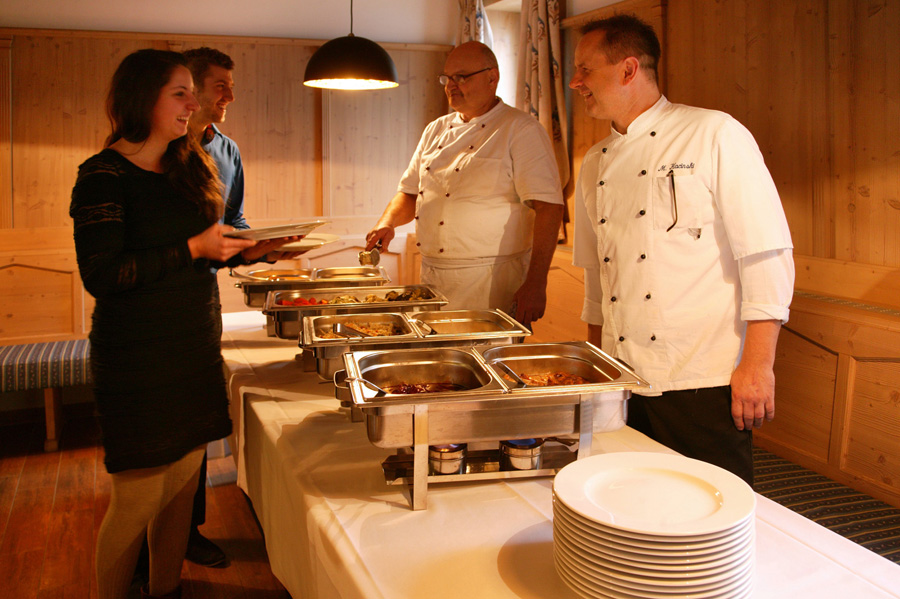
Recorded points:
137,497
167,534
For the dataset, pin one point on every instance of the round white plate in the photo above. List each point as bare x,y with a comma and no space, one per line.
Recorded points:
648,580
699,540
276,231
313,241
587,587
655,493
691,564
597,578
668,550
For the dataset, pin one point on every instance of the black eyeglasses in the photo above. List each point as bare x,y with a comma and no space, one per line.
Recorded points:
459,79
671,176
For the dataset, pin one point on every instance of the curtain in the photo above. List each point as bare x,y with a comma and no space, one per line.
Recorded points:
473,23
541,92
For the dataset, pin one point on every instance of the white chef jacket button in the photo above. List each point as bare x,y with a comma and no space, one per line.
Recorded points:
653,134
441,250
602,183
602,221
604,150
643,256
441,223
647,296
643,172
471,147
612,299
621,338
652,337
456,169
440,147
421,193
642,212
427,168
418,243
606,259
483,125
446,195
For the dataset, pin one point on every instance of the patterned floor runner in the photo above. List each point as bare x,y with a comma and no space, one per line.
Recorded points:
873,524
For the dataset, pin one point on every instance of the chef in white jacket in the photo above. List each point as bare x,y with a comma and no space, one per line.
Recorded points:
686,250
484,190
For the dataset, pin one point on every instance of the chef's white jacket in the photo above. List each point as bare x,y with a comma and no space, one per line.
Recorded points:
472,181
663,274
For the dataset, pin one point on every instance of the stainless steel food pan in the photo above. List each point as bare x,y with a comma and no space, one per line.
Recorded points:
453,328
288,317
578,358
493,409
468,324
256,284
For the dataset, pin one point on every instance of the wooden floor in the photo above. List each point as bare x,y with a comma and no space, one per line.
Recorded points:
51,505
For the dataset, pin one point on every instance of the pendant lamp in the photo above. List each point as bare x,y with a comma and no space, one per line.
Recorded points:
351,62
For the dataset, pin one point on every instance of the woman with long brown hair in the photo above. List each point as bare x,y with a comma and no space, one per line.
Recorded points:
145,213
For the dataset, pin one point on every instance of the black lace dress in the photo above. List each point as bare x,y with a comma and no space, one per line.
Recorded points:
155,340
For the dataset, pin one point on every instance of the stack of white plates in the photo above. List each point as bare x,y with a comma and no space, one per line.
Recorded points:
654,526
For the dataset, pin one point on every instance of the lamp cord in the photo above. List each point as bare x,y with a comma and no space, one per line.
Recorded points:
351,17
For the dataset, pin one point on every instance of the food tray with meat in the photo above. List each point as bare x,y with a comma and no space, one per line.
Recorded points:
288,308
329,337
468,399
256,284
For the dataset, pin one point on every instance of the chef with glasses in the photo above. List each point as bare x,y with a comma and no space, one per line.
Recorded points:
484,190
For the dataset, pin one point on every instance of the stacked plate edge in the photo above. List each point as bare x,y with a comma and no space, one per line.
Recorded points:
639,525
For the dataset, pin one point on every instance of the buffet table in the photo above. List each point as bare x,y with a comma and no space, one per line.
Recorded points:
334,529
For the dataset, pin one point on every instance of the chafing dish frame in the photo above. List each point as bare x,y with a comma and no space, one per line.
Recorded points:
410,464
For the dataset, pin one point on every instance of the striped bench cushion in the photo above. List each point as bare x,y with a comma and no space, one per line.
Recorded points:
45,365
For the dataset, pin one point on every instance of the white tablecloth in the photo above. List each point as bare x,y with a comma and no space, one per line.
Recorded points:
334,529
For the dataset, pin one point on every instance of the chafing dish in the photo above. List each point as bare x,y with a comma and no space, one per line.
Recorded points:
287,317
256,284
485,403
453,328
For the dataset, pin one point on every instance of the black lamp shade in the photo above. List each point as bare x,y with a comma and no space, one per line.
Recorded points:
351,62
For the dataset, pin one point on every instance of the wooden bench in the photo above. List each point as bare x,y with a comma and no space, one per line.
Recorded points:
50,366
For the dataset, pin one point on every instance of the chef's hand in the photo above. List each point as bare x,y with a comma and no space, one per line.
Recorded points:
530,301
752,396
753,381
213,245
268,248
382,234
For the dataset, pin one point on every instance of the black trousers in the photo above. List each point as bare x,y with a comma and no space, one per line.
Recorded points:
696,423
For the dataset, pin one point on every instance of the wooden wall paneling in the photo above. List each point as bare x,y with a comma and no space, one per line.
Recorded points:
867,283
38,300
370,136
805,375
787,108
871,451
833,348
865,57
60,85
6,132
